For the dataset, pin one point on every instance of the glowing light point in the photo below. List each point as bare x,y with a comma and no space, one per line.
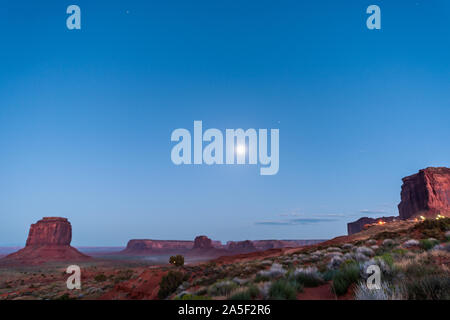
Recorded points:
240,149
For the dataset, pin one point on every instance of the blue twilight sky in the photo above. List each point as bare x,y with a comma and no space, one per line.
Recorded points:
86,115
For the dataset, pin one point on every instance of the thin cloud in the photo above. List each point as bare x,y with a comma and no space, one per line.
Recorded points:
367,211
290,214
294,222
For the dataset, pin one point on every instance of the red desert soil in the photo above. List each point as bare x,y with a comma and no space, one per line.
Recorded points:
146,286
322,292
250,256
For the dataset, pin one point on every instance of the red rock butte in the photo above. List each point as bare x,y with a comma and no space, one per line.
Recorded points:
426,193
203,242
48,240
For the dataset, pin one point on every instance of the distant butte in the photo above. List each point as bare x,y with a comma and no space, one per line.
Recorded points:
48,240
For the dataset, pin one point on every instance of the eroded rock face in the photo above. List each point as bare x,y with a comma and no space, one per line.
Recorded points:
50,231
48,240
203,242
426,193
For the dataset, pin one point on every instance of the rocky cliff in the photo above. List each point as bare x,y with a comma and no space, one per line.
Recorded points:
48,240
426,193
50,231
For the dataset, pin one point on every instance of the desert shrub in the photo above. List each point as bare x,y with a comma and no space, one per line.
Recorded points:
345,277
348,256
385,235
416,269
386,292
333,254
123,276
329,274
311,258
250,293
190,296
389,243
204,281
399,252
222,288
177,260
253,291
365,251
430,224
361,257
261,278
387,257
100,277
283,289
428,244
411,243
169,283
308,277
243,295
335,262
430,287
347,246
276,270
433,228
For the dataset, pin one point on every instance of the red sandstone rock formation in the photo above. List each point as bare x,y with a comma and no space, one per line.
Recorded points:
261,245
203,242
48,240
426,193
145,246
50,231
241,246
275,244
205,247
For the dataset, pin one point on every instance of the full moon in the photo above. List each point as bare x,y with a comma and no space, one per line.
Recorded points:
240,149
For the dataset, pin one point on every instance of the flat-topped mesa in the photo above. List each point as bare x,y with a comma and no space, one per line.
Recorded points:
50,231
48,240
426,193
241,246
275,244
148,246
